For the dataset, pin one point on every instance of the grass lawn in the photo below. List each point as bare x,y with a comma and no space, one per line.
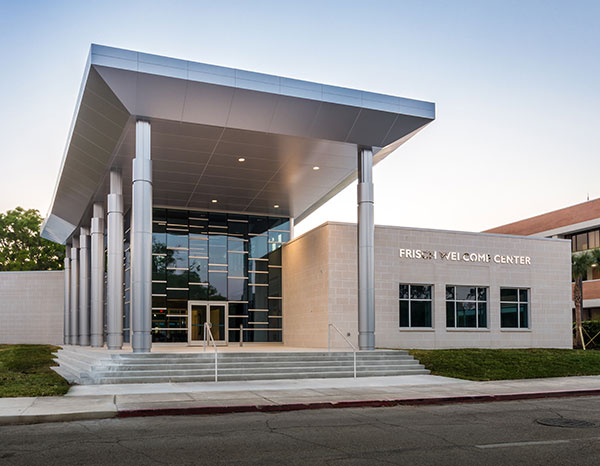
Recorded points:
502,364
25,371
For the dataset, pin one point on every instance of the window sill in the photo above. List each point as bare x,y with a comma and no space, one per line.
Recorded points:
416,329
468,329
518,330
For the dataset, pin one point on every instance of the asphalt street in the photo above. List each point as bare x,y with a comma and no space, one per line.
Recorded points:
500,433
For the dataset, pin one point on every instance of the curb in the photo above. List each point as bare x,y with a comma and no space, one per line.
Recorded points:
205,410
25,419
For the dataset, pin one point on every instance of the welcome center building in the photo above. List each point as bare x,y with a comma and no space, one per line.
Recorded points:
177,197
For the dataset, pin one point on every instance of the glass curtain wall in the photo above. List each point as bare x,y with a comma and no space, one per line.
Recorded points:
214,256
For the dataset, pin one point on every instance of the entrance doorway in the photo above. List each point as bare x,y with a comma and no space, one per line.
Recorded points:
215,313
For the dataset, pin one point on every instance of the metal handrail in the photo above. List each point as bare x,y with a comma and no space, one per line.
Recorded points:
208,333
345,339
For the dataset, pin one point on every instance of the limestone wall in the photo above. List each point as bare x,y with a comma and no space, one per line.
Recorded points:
542,266
31,307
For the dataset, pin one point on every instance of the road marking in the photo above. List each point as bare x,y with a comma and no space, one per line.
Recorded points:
521,444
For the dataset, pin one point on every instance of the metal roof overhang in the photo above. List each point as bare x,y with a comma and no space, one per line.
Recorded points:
204,118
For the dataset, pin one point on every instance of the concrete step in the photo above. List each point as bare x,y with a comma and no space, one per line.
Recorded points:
250,354
264,360
79,365
129,365
245,371
258,376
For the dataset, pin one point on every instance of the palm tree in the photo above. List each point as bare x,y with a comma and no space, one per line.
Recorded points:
580,263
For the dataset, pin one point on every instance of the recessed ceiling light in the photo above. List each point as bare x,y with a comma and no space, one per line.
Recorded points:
276,206
241,159
316,168
214,201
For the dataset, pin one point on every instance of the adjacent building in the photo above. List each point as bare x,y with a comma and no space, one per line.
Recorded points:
580,224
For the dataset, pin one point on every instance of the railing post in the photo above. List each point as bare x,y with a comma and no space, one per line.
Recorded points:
345,339
241,336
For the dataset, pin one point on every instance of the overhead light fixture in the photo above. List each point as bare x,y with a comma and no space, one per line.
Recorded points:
214,201
276,206
316,167
241,159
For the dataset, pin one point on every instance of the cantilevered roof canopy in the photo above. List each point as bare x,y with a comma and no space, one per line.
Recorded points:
204,118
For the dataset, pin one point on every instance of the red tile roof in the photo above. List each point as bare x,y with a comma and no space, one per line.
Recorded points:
577,213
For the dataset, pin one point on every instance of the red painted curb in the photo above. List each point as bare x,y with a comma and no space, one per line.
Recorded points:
202,410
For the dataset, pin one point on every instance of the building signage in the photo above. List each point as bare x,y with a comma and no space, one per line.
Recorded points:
455,256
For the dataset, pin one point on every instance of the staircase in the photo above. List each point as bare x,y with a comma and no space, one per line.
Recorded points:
82,366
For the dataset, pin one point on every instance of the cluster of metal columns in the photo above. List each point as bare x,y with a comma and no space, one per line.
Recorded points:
84,263
84,322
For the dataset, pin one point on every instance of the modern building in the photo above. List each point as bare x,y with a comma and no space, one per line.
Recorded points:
188,178
580,224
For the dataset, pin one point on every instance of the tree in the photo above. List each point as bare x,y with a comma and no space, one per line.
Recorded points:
22,247
580,263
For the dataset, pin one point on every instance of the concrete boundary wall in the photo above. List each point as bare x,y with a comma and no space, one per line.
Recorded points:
31,307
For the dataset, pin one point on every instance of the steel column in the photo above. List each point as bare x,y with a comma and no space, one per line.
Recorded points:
115,272
97,277
73,338
67,300
366,251
141,241
84,287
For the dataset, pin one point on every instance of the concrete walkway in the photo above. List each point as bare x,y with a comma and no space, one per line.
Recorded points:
106,401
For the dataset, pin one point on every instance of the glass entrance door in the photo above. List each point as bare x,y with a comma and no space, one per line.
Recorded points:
200,312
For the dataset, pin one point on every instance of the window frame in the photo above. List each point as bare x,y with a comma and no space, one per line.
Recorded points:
518,302
410,300
476,301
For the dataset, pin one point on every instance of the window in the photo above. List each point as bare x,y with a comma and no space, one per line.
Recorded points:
584,240
466,307
415,305
514,308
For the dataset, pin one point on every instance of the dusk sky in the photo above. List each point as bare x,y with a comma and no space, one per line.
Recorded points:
516,86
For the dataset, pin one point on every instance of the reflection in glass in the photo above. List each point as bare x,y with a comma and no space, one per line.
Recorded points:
404,314
237,265
403,291
420,291
275,256
258,297
258,247
508,315
274,281
465,293
218,286
279,236
237,289
177,278
523,320
420,313
177,239
217,249
212,249
450,314
508,294
198,270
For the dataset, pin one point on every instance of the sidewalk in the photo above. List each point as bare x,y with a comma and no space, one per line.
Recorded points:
108,401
